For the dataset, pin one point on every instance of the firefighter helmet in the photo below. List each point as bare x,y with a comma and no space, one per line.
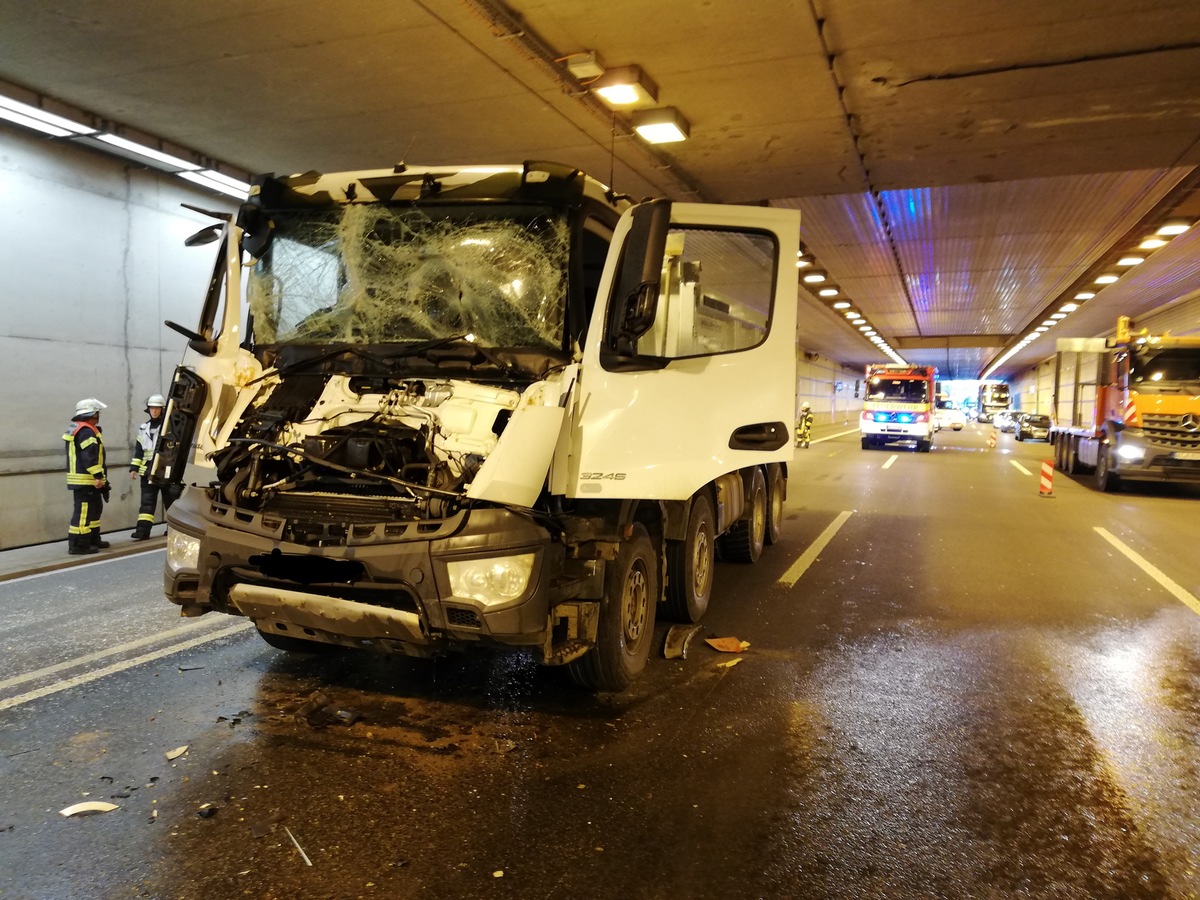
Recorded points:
804,405
156,400
85,409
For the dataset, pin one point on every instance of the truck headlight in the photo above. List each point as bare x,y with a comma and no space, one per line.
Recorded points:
1131,453
183,551
492,579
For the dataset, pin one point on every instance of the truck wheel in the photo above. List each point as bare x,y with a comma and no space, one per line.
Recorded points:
295,644
744,541
690,565
923,446
866,444
775,491
1106,479
626,626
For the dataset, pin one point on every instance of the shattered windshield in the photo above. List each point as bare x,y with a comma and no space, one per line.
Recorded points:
368,274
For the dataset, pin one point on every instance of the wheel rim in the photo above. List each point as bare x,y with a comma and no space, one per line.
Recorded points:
701,561
634,604
776,506
760,519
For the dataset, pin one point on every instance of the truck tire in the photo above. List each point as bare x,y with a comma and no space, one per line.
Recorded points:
291,644
1106,480
775,491
690,564
626,627
924,446
867,444
744,541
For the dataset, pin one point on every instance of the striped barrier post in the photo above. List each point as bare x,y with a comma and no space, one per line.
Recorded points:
1046,489
992,439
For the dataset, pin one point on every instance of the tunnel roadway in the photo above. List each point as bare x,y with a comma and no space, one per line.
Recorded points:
955,687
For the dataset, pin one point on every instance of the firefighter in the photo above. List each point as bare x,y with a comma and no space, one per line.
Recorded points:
139,465
87,478
804,426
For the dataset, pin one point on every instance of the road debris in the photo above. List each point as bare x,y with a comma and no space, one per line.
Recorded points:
303,855
729,663
176,753
319,711
678,638
727,644
87,808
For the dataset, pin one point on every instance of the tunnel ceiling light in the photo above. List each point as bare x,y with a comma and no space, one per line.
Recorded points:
1107,279
865,328
1041,329
1032,336
1173,228
1131,260
814,277
842,304
802,261
664,125
1152,244
859,321
40,120
214,181
828,292
1058,315
1049,322
157,156
852,314
627,87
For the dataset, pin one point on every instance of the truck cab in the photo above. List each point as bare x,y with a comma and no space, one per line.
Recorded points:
426,409
898,407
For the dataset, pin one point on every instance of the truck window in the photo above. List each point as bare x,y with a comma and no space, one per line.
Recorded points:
715,293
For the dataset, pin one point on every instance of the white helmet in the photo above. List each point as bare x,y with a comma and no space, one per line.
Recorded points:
804,405
87,408
156,400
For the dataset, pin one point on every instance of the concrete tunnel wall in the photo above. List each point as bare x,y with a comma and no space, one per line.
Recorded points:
91,263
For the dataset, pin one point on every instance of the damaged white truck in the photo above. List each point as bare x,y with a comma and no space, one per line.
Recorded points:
426,409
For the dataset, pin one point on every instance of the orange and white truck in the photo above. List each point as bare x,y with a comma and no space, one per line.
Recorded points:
1127,408
899,406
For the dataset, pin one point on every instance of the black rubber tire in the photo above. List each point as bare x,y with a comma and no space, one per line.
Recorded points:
867,444
291,644
924,446
690,565
776,488
1106,480
744,541
626,627
1019,434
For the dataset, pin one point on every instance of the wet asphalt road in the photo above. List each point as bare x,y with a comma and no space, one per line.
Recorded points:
969,692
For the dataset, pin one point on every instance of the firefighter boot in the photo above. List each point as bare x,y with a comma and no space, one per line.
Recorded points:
80,543
141,531
97,541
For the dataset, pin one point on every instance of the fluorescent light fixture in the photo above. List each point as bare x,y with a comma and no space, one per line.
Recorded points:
802,261
221,178
163,159
221,187
40,120
1058,315
1041,329
663,125
1130,260
828,292
1032,336
626,86
814,277
1173,228
865,328
1106,279
1082,295
859,321
1050,321
1152,244
842,304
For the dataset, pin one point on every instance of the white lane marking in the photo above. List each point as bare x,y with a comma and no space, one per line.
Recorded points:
111,651
800,566
1154,572
119,667
891,459
1023,470
830,437
77,566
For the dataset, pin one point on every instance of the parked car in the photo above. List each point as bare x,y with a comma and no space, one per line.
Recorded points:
1032,427
949,417
1005,420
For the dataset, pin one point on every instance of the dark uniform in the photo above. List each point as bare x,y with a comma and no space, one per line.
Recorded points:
85,467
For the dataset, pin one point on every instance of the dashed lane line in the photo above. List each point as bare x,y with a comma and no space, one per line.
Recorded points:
1180,594
1021,468
891,459
809,556
119,667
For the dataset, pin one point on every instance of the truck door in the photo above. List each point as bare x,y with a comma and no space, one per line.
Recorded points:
689,366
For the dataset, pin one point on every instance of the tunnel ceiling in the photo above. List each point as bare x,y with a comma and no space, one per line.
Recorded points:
961,169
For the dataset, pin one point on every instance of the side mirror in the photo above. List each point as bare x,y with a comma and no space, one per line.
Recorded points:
205,235
635,301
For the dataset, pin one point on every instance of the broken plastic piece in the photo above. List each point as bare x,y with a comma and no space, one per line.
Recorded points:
729,664
727,644
678,638
176,753
87,807
303,855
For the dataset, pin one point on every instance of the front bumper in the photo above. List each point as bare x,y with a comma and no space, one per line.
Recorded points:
385,588
896,431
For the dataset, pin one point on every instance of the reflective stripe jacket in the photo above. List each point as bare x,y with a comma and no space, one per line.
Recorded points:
143,447
85,455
